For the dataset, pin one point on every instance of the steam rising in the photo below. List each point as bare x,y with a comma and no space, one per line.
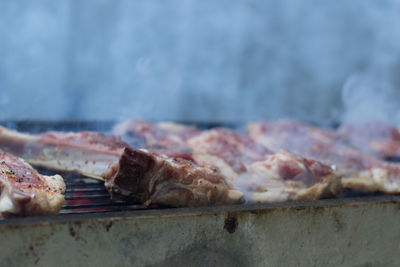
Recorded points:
369,97
191,60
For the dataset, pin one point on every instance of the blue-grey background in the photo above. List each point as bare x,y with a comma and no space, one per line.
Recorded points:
198,60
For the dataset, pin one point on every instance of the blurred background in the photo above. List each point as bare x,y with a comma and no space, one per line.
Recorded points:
199,60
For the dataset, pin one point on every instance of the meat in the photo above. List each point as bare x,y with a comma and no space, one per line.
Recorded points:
223,148
284,176
181,166
164,137
130,174
360,172
25,192
88,153
373,137
149,178
226,149
308,141
240,159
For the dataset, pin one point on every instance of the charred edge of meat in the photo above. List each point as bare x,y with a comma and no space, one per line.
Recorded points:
131,178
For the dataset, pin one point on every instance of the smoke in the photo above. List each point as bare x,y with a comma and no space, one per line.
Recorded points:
188,60
372,93
370,97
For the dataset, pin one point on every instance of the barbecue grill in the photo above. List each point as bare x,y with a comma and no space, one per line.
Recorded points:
94,230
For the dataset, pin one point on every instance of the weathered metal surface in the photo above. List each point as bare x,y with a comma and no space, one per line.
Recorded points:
344,232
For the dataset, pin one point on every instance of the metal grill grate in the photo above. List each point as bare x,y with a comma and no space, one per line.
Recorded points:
86,195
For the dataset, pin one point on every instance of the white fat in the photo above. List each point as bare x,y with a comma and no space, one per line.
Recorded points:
235,194
380,176
55,182
273,195
6,203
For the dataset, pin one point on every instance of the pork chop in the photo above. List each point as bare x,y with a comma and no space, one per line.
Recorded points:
25,192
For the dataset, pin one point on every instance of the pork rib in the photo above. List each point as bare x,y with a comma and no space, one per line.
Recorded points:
360,172
26,192
88,153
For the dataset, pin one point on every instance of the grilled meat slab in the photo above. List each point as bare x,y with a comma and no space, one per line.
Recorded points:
164,137
150,178
373,137
25,192
284,176
88,153
226,149
360,172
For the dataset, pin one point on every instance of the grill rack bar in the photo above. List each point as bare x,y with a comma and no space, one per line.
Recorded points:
86,195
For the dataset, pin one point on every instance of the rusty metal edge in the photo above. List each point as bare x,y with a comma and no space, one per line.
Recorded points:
156,213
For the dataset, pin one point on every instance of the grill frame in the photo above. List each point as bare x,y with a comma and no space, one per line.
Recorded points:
199,211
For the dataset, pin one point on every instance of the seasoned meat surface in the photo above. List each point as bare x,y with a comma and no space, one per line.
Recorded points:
25,192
